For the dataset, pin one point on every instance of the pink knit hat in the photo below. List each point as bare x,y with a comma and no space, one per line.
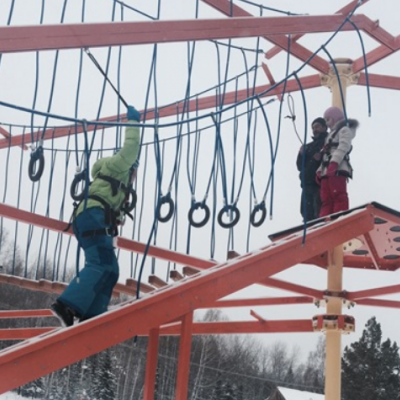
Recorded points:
335,113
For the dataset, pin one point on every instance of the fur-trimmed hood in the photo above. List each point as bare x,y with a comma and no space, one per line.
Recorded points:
351,123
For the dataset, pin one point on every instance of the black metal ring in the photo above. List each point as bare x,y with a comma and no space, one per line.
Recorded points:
234,221
259,207
81,176
129,206
165,200
195,206
36,156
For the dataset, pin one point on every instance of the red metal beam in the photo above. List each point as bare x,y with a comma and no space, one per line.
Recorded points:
344,11
292,287
209,102
23,333
375,55
14,39
380,81
122,243
31,359
379,303
265,301
232,10
356,296
151,364
25,313
185,344
243,327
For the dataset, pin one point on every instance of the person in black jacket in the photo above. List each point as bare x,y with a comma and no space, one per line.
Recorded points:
308,161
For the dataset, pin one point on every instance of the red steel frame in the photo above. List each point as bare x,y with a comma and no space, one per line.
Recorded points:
169,311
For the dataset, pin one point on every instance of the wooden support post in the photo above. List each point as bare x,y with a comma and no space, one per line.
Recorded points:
333,368
151,365
185,344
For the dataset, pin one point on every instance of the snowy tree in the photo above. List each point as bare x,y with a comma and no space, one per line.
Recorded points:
370,368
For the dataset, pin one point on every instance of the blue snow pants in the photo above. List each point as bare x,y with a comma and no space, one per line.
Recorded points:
89,295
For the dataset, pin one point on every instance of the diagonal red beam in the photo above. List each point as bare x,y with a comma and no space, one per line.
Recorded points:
379,303
7,135
292,287
264,301
345,10
14,39
209,102
31,359
232,327
356,296
232,10
380,81
375,55
122,243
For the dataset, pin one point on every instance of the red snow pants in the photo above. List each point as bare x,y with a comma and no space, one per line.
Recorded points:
333,195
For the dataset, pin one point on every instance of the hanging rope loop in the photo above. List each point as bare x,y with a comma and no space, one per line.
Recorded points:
258,207
36,163
235,216
165,200
196,206
131,201
79,179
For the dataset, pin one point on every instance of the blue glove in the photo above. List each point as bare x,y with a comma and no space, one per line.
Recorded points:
133,114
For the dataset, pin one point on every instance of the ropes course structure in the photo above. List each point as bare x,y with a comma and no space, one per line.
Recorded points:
214,108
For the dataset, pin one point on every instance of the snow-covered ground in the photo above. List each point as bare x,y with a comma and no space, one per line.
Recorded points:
11,396
291,394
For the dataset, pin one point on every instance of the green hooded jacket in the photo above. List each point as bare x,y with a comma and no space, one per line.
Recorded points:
116,167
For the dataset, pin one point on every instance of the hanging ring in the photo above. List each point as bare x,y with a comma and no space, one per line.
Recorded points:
195,206
35,173
79,177
259,207
165,200
236,216
130,205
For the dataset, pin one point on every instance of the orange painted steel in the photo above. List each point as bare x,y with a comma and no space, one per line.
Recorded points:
23,333
31,359
151,364
361,294
185,344
15,39
264,301
242,327
233,10
379,303
345,10
292,287
122,243
292,85
25,313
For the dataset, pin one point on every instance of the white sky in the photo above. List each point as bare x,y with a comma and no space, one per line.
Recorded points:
374,157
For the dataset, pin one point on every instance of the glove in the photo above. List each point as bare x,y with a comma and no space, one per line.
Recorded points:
318,178
332,169
133,114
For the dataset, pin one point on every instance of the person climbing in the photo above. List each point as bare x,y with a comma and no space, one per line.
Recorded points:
311,154
335,168
94,224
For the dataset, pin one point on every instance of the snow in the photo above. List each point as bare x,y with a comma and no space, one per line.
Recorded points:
291,394
11,396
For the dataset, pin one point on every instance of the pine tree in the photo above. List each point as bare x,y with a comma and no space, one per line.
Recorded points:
370,368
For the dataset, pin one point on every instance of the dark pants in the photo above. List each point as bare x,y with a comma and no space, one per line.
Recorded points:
310,202
334,195
90,294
